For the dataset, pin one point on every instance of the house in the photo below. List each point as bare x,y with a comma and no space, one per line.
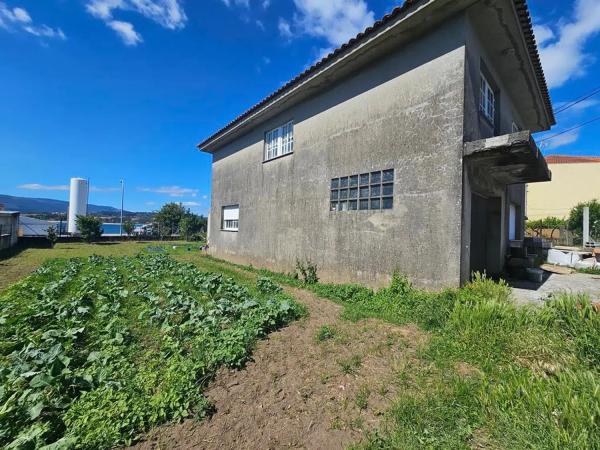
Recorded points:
574,181
400,151
9,226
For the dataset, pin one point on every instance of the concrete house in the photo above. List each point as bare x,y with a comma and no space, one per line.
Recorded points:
406,149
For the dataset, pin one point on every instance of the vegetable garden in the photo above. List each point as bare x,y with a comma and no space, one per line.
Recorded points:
95,351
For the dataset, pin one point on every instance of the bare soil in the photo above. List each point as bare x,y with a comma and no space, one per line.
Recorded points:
299,392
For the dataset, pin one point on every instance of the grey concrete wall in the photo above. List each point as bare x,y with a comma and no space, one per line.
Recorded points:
9,225
478,59
405,113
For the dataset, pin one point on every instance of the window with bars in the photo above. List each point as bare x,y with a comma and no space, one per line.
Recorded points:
279,141
230,217
487,100
365,191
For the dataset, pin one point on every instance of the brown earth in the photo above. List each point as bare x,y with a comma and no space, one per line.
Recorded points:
299,392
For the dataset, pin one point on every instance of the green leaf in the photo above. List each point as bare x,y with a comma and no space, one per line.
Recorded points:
35,411
40,380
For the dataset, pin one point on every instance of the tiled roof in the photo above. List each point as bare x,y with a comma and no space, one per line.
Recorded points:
524,19
561,159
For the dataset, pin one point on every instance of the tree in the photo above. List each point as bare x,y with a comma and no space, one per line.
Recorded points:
89,228
575,221
169,217
128,227
52,235
191,226
548,223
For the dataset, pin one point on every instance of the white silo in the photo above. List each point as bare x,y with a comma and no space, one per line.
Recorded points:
78,200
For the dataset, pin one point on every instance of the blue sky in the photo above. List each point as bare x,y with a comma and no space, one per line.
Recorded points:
124,89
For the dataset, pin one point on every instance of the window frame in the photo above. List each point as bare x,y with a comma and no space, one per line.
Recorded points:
279,141
486,90
234,226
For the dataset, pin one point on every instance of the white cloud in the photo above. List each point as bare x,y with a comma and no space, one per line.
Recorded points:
43,187
266,4
205,197
259,24
20,18
171,191
167,13
543,34
563,53
126,32
244,3
104,189
284,28
336,21
191,204
561,141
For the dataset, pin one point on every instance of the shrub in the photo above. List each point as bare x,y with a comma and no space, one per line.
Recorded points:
90,228
575,221
52,235
307,271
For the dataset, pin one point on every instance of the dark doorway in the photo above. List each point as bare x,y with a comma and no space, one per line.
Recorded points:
486,234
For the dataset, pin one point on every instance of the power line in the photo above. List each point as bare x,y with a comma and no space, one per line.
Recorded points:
596,119
576,102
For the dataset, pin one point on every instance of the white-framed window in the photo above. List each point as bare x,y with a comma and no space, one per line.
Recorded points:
279,141
487,100
230,218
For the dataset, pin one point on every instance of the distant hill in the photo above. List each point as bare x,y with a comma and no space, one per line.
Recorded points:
46,205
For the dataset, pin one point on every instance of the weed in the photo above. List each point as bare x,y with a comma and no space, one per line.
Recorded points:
267,286
362,397
325,333
307,271
350,366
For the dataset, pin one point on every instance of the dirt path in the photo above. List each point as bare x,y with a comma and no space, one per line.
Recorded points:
301,392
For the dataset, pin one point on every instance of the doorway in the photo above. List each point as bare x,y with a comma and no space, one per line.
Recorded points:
486,235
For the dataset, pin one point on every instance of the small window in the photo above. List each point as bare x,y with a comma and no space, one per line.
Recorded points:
230,218
487,100
280,141
375,191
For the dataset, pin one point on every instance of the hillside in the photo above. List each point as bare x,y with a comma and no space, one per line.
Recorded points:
46,205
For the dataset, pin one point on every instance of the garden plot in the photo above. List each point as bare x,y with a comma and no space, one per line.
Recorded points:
95,351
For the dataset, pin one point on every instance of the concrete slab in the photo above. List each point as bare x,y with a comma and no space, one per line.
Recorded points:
526,292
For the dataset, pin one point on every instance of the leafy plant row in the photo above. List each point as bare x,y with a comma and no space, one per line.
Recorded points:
95,351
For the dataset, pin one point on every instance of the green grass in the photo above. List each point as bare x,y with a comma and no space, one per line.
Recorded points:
535,371
94,351
589,271
325,333
350,366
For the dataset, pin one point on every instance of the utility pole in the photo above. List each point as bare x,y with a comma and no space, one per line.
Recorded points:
122,201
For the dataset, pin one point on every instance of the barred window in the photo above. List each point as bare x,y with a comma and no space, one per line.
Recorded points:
365,191
230,218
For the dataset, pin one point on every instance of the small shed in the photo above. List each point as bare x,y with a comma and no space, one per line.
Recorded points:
9,226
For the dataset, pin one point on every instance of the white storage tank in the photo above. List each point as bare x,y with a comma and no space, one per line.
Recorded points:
78,200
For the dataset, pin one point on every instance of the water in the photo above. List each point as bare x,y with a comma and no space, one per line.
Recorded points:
114,228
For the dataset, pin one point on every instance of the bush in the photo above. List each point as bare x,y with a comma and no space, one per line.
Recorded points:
575,221
267,286
90,228
52,235
307,271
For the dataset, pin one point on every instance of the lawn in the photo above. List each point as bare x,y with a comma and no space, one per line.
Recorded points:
491,375
95,350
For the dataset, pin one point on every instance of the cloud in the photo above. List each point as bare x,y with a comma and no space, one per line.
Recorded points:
167,13
336,21
43,187
104,189
244,3
20,18
126,32
266,4
191,204
171,191
560,141
285,28
259,24
563,53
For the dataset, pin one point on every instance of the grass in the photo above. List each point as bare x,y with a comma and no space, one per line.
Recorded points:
492,374
94,351
325,333
535,371
16,265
